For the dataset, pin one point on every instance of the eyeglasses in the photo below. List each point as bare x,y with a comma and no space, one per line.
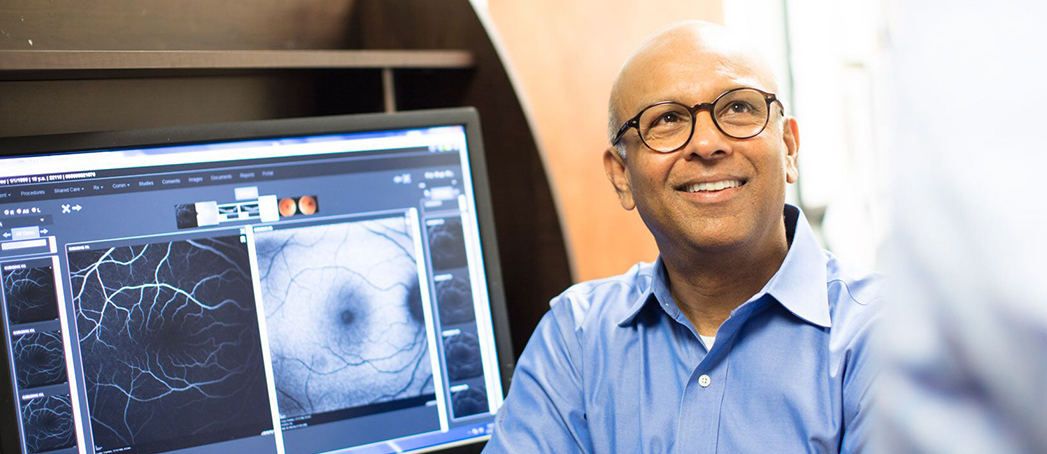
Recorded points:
741,113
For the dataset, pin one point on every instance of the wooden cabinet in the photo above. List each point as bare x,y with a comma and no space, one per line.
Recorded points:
93,65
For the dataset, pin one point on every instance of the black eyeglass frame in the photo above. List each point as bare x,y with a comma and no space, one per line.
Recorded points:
634,122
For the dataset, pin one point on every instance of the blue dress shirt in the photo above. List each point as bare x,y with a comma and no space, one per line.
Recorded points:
615,367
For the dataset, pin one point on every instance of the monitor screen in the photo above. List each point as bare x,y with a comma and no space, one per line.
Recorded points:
294,286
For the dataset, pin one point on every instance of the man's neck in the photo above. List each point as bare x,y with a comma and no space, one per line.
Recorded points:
708,285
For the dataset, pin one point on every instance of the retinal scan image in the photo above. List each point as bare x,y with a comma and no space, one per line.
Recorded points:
462,355
455,299
169,338
30,295
185,215
39,359
469,402
344,315
48,424
447,244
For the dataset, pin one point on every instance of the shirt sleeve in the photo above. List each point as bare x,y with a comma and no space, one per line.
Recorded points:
858,391
545,410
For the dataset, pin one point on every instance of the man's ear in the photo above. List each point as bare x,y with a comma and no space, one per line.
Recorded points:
791,137
618,174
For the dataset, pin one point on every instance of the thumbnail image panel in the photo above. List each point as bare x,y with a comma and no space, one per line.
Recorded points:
344,315
455,299
48,424
470,401
170,344
302,205
446,243
186,216
462,355
30,294
39,359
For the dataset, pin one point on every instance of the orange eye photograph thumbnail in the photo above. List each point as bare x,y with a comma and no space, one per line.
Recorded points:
288,207
307,205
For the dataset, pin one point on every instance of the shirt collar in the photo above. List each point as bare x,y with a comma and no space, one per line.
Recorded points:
656,291
799,285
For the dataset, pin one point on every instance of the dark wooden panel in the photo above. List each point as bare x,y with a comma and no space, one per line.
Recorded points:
181,24
534,257
62,106
73,60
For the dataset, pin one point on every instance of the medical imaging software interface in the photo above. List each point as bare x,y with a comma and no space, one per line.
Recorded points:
296,295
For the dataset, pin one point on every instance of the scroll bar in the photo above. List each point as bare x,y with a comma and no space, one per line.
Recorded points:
481,304
415,224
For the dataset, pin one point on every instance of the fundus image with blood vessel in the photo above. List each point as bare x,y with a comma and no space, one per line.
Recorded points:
170,344
48,423
39,359
344,315
30,294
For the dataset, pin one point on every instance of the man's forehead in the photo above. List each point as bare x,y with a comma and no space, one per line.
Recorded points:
686,85
687,60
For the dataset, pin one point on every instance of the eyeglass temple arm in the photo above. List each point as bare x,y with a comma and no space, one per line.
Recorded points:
773,98
632,123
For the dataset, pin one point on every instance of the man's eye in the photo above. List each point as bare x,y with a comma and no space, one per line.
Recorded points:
666,118
739,107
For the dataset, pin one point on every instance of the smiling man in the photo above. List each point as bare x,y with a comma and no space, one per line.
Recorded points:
744,336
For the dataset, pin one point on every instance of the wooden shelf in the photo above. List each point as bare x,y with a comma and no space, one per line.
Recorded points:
89,60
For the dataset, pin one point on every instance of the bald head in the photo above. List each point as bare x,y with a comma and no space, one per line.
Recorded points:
687,57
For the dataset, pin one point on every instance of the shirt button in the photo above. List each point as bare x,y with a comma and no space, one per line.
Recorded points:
705,381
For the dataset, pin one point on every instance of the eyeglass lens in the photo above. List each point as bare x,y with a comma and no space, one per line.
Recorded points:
740,114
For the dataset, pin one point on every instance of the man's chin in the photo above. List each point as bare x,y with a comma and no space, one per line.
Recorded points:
711,241
715,244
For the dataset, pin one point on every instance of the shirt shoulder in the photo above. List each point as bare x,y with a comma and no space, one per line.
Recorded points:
606,300
856,295
856,301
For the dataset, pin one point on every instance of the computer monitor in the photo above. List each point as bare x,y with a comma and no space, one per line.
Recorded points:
294,286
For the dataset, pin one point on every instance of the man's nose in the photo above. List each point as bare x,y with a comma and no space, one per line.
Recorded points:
707,142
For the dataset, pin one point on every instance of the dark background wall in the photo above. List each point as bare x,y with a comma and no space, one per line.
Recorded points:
97,65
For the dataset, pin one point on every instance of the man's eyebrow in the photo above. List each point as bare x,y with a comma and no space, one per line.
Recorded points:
644,102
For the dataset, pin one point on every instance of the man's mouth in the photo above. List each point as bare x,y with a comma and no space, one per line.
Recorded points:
713,186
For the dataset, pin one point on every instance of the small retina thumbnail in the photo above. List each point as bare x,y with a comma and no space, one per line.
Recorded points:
302,205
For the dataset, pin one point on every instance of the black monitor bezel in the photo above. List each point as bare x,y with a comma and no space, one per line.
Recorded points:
468,117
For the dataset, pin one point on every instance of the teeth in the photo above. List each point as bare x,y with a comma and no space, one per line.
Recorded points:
714,186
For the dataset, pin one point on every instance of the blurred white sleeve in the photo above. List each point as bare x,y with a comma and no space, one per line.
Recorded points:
966,344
